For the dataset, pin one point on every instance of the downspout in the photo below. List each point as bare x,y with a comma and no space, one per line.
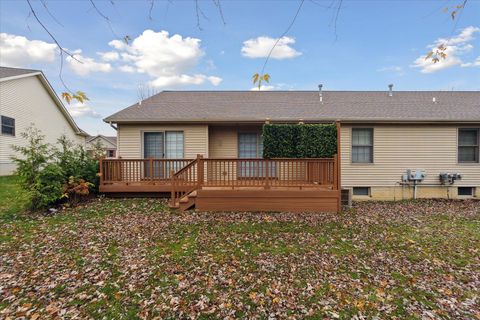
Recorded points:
113,126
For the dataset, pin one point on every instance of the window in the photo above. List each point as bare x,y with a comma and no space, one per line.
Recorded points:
174,144
250,145
8,126
110,153
362,145
361,191
468,145
466,191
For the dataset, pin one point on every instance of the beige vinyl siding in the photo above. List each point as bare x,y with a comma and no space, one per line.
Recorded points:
432,148
224,140
27,101
130,139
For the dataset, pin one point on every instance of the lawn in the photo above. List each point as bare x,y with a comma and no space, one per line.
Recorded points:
12,198
115,258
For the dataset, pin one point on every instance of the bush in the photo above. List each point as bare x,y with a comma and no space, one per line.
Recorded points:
299,140
48,187
76,163
54,174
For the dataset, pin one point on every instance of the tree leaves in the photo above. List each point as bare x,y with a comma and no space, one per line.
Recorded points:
79,96
133,258
437,54
257,79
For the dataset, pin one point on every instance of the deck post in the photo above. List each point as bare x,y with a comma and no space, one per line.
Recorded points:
172,178
100,171
335,172
267,175
200,171
339,165
151,168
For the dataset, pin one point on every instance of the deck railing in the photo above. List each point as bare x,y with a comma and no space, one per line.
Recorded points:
139,170
262,173
186,175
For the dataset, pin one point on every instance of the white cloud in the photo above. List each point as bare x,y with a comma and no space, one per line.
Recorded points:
167,59
455,47
475,63
183,79
392,69
18,51
86,65
109,55
263,88
261,46
81,110
127,69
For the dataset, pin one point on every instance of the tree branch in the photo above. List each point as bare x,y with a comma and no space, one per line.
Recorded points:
283,34
107,19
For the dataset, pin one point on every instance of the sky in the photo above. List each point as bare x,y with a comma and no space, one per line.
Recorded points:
367,46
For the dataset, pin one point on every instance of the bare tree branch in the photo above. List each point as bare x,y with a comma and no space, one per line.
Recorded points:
218,4
152,4
107,19
44,3
283,34
199,12
336,18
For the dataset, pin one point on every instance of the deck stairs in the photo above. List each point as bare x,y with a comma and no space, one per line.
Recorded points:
185,203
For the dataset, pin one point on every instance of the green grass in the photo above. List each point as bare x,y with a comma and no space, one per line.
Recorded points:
134,258
13,199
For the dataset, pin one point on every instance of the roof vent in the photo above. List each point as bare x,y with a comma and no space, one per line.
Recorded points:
390,90
320,92
434,100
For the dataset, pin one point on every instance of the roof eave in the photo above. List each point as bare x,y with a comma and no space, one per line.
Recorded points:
346,121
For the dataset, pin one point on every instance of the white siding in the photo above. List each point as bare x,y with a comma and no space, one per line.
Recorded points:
432,148
130,139
27,101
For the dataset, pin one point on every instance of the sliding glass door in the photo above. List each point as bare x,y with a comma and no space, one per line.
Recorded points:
162,145
250,146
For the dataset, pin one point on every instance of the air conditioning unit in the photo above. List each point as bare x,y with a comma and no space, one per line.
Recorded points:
449,178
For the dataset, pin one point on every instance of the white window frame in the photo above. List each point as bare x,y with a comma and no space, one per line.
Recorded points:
477,146
372,146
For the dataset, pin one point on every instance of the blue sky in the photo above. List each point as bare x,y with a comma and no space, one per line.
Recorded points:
375,43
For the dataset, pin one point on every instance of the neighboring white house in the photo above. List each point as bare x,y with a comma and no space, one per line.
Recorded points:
27,98
108,144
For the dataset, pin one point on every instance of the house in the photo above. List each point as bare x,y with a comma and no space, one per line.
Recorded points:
26,98
107,144
382,134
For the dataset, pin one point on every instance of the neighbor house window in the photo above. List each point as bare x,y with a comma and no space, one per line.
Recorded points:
111,153
8,126
361,191
466,191
468,141
362,145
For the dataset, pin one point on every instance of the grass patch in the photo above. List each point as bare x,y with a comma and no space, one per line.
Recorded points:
13,200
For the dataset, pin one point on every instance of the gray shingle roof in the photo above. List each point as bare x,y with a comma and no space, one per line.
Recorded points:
6,72
254,106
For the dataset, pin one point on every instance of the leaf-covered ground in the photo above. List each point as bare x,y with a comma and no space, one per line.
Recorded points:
116,259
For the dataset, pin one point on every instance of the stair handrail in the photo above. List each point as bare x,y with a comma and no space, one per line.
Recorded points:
177,181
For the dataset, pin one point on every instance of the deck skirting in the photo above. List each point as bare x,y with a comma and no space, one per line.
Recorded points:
268,200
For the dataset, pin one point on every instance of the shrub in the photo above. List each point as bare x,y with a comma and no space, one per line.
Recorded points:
299,140
48,187
76,163
54,174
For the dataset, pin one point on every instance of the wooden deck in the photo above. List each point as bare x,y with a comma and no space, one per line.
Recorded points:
229,184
